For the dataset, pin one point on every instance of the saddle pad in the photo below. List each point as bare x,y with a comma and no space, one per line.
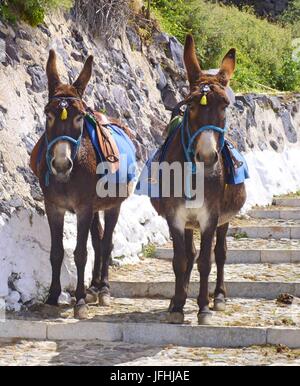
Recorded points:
36,156
127,170
127,158
148,182
235,175
106,141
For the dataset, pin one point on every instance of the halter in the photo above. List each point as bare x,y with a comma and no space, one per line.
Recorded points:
74,142
188,147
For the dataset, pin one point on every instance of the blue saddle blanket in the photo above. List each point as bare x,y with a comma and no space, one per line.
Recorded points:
148,184
236,174
128,169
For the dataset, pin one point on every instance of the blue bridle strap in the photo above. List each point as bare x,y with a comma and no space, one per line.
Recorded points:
188,147
75,143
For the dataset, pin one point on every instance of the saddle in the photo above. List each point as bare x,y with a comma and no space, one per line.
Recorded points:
105,139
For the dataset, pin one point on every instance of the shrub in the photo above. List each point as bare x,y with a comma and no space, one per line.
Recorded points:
264,48
104,18
31,11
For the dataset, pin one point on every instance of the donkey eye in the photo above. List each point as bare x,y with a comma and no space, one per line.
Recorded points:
79,118
50,118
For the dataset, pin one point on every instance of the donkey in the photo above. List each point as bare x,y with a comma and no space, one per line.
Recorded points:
206,106
72,187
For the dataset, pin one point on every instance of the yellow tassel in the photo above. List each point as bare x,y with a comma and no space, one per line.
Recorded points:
64,115
203,100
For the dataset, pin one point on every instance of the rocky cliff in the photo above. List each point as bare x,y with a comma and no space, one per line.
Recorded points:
139,84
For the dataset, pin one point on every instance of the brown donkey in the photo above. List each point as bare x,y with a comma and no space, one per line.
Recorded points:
206,105
72,187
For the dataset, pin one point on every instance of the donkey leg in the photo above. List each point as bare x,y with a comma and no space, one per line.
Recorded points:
204,267
96,234
220,257
56,223
176,315
84,220
111,218
191,253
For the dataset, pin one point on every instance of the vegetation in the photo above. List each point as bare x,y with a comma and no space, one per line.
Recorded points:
291,17
31,11
105,18
149,251
264,48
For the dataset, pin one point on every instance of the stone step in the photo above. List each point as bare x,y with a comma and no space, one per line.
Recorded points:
247,256
144,321
273,213
266,232
165,289
283,201
152,275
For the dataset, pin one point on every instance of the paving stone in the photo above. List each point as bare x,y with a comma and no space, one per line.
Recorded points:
267,290
96,353
239,312
153,270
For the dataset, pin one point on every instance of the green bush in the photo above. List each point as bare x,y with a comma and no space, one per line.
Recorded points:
264,48
31,11
291,17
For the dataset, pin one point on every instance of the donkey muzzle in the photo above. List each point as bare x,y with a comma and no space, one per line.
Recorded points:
209,159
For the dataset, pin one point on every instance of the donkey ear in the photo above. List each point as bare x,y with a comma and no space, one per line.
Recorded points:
227,67
84,77
190,60
52,74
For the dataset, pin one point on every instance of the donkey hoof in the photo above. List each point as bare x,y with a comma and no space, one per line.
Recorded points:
52,301
104,300
171,306
175,317
81,310
219,303
205,318
92,295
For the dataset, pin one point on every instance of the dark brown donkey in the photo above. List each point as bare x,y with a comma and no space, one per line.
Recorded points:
72,187
221,201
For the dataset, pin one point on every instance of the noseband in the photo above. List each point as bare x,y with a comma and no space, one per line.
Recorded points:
74,143
188,147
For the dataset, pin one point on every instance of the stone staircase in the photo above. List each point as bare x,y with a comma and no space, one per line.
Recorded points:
263,263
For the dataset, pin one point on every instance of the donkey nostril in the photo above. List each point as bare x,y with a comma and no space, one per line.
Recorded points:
198,157
70,164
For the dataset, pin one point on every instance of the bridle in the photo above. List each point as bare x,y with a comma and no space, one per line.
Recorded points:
63,104
185,132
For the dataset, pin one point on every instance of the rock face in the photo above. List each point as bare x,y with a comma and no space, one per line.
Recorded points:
139,85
